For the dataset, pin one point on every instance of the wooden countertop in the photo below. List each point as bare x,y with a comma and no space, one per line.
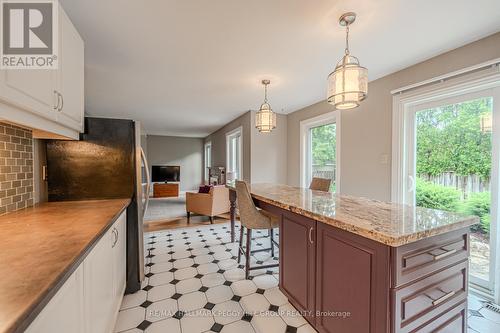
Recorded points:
39,249
388,223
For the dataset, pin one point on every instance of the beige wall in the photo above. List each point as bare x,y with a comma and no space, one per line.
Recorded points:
366,131
269,153
218,140
185,152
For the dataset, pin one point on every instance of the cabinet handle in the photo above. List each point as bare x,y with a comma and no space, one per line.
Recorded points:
115,240
444,255
443,298
62,102
56,107
310,235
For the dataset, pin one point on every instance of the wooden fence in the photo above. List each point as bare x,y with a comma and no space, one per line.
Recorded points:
465,184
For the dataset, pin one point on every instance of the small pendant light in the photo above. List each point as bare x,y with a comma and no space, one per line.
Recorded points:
348,83
265,118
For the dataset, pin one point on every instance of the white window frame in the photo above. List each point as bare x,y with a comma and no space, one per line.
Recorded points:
305,149
230,135
207,160
459,85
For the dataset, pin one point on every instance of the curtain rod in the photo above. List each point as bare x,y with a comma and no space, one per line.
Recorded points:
464,71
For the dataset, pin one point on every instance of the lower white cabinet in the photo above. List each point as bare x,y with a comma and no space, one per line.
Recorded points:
89,300
65,311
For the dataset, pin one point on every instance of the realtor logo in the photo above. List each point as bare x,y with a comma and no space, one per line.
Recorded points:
29,34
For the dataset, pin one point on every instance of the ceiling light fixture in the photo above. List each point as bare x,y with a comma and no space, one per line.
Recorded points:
348,83
265,118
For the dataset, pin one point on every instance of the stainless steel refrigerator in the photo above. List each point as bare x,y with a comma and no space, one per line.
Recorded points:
107,162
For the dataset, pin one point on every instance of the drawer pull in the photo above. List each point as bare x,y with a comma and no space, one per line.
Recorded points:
310,236
444,255
443,298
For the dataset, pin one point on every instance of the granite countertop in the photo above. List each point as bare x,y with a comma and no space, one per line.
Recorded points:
39,249
388,223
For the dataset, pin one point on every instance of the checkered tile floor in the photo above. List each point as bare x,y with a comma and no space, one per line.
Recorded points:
195,284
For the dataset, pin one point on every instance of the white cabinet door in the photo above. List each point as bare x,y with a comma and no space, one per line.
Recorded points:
120,255
71,74
64,312
30,89
98,285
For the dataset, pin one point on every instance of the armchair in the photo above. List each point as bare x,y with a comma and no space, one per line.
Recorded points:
213,203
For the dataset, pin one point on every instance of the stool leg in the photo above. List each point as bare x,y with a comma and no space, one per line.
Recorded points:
240,246
248,250
271,234
188,216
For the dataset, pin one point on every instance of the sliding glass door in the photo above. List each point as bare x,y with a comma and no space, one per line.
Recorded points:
452,164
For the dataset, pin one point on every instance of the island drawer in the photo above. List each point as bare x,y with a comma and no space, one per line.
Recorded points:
417,304
451,321
416,260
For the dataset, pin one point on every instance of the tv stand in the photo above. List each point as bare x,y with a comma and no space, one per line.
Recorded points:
165,190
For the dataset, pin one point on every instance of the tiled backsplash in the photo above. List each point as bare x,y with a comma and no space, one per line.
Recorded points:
16,168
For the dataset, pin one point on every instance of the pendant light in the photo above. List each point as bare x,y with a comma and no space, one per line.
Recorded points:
265,118
348,83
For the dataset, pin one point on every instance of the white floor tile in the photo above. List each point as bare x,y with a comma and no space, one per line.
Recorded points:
238,327
243,287
185,273
227,312
212,280
170,325
187,286
208,268
291,316
267,323
129,319
192,301
234,274
265,281
275,296
133,300
183,263
161,292
254,303
161,310
219,294
161,267
161,278
196,324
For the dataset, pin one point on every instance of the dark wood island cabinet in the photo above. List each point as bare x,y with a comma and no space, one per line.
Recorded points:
358,265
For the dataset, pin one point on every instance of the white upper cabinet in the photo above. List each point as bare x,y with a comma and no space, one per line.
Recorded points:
51,101
70,79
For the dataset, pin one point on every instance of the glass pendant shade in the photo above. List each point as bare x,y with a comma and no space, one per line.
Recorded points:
347,84
265,119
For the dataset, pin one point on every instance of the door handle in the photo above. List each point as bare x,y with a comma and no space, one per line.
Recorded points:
310,235
115,233
62,102
56,106
443,298
444,255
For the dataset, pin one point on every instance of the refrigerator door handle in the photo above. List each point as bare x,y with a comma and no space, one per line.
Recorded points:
148,180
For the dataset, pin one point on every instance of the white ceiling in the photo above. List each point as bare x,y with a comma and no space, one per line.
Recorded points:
187,67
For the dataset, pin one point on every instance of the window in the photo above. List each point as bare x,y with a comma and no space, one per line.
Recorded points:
234,144
446,147
208,161
320,149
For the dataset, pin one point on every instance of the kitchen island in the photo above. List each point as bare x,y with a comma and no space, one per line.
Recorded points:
358,265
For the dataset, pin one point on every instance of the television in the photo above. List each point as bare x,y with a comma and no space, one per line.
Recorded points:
166,173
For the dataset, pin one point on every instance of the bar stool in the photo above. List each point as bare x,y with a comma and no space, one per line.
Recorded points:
320,184
252,218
